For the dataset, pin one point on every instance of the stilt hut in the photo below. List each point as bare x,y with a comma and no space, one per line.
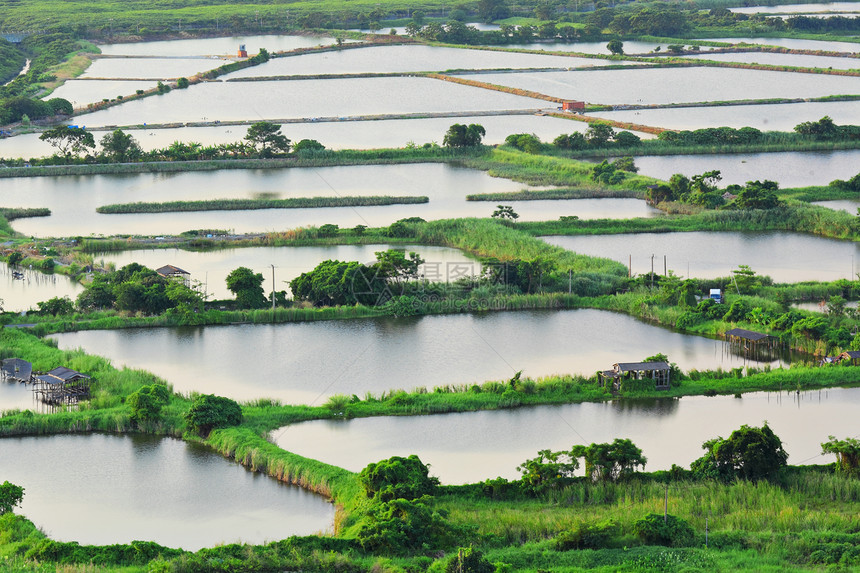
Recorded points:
61,386
752,344
852,355
16,370
659,372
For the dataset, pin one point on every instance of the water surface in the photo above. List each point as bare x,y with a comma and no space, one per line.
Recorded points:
772,59
216,46
153,489
799,8
785,257
768,117
73,200
334,135
273,100
470,447
82,92
23,294
661,85
151,68
789,169
410,58
796,44
307,362
210,268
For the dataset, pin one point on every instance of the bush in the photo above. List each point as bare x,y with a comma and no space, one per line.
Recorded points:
10,496
182,83
672,531
209,412
397,478
146,402
587,536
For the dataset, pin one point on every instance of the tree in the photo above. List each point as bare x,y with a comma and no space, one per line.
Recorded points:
308,145
573,141
266,139
335,282
56,306
247,286
627,139
10,496
395,266
61,106
182,83
469,560
599,133
527,142
548,470
745,279
208,412
505,213
146,402
822,129
758,195
847,454
397,478
749,453
120,147
459,135
610,462
616,47
69,141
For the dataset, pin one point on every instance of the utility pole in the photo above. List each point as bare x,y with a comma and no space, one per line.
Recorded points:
652,270
273,288
665,272
666,504
569,280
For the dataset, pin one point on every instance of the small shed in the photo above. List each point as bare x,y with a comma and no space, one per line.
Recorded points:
852,355
61,386
572,105
243,53
16,370
174,273
660,372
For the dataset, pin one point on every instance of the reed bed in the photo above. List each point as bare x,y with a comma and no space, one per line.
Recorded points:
252,204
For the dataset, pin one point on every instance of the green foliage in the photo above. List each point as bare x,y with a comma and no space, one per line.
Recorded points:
610,462
61,106
574,141
10,496
548,470
397,478
339,283
308,146
505,213
749,453
616,47
182,83
120,147
599,133
847,454
469,560
266,139
247,286
587,535
403,526
56,306
527,142
69,141
459,135
656,529
208,412
758,195
146,402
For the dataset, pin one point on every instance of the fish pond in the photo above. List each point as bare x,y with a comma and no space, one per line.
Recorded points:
474,446
785,257
73,199
141,487
296,363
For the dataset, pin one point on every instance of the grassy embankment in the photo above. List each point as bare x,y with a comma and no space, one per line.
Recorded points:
251,204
